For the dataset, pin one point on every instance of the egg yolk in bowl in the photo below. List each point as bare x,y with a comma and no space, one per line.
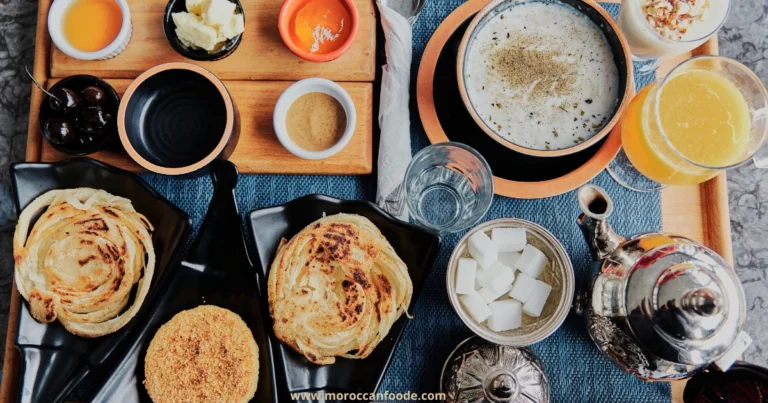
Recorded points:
321,26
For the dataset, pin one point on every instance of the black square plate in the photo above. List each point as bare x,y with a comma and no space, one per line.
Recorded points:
416,246
54,360
217,271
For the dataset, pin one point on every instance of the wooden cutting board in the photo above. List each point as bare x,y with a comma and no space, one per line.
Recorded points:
258,150
260,56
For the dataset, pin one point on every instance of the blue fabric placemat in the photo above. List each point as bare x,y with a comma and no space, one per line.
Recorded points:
577,371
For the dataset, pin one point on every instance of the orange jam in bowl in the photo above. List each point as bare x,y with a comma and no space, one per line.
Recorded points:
91,25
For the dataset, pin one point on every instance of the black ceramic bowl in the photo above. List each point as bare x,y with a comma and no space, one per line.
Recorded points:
416,246
742,383
54,361
111,103
176,118
177,6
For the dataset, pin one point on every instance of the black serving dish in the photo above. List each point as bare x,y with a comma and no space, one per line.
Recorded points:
458,125
177,6
742,383
54,361
216,271
416,246
111,103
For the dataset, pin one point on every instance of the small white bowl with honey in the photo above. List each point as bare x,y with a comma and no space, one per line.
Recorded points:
90,29
314,118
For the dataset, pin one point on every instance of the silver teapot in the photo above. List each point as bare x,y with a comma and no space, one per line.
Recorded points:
662,307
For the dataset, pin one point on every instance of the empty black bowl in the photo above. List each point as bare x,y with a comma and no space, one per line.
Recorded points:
110,105
176,118
177,6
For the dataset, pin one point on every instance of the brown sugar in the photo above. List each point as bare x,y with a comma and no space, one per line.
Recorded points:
316,121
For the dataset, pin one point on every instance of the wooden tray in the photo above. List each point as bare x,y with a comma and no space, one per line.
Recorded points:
256,73
261,55
700,212
258,149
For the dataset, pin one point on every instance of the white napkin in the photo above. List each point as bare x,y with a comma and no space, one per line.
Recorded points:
394,120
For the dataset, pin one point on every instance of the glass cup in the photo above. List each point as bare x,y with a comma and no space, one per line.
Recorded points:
649,46
448,187
684,130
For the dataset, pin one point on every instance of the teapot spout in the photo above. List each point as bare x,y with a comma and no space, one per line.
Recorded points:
596,207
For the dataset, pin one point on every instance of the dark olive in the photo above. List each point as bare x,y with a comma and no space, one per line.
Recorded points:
60,130
92,119
85,139
93,95
64,100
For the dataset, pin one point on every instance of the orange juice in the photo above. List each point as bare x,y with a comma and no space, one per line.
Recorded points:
703,125
91,25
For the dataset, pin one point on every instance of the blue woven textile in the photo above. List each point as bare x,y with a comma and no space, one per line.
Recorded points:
576,369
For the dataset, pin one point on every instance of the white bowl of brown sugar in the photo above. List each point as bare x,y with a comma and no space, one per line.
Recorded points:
314,118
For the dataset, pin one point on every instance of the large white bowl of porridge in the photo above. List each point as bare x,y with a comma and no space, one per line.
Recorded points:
545,77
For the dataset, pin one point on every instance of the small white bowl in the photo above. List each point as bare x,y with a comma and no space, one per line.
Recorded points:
56,30
306,86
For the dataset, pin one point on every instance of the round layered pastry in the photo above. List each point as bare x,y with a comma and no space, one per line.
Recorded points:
336,288
82,260
205,354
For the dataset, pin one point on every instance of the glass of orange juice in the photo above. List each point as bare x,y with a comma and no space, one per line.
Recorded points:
709,114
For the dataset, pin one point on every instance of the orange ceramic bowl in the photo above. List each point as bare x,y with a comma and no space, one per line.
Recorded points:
288,15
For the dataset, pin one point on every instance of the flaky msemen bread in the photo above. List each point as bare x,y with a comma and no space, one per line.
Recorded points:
82,260
336,288
205,354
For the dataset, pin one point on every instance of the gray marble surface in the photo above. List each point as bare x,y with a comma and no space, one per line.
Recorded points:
744,37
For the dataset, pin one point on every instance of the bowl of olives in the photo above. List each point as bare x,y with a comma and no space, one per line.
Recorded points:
78,115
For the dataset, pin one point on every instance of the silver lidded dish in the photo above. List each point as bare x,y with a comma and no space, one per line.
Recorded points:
479,371
558,273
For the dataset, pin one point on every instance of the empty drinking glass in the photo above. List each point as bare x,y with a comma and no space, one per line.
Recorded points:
448,187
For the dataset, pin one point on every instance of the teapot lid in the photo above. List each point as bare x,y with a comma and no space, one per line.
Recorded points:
683,301
483,372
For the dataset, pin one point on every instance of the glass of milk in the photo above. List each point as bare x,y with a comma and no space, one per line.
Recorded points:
656,29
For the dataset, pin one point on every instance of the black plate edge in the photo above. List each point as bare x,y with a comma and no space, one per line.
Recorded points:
84,368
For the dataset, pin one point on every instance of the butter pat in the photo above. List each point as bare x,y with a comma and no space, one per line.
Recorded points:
192,32
235,27
217,13
195,6
208,24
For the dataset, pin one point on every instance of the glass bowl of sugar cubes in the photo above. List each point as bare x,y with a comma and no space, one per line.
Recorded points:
511,282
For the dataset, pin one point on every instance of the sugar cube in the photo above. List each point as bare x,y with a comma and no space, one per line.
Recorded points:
509,258
537,299
486,276
506,314
503,279
531,262
482,249
465,276
475,306
522,287
509,239
217,13
489,294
